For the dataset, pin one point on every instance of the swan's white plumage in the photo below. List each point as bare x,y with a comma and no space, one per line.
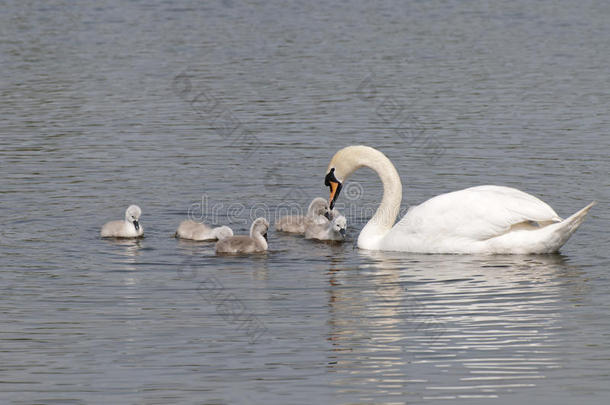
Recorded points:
483,219
468,220
478,213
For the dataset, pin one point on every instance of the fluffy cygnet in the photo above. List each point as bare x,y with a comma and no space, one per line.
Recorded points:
127,228
256,242
333,230
317,213
198,231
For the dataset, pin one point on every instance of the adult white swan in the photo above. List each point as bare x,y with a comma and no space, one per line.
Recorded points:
483,219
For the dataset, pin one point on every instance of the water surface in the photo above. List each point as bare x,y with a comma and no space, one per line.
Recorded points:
223,111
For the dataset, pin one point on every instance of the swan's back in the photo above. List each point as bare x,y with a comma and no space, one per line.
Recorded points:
291,223
317,231
238,244
464,221
193,230
256,242
477,213
116,229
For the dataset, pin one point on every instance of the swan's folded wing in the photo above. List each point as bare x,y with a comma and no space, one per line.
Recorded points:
477,213
236,244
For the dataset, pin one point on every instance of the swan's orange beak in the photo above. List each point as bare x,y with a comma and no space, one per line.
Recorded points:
335,187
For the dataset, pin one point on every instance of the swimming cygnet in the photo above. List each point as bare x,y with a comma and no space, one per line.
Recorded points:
256,242
317,213
128,228
333,230
198,231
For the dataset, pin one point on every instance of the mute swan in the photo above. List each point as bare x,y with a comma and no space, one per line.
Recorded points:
333,230
197,231
483,219
256,242
128,228
317,213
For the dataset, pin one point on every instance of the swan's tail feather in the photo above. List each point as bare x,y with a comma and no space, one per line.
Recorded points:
564,229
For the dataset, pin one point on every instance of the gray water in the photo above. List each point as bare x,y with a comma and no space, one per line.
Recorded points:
224,111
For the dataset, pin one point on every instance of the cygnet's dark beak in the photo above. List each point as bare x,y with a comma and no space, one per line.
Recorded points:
342,232
327,215
265,236
136,224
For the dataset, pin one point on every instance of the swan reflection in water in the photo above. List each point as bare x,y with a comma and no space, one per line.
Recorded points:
446,326
126,256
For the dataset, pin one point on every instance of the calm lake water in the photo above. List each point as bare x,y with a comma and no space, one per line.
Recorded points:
224,111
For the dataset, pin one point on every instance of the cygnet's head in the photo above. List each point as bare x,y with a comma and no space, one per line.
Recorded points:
259,226
318,206
223,232
132,214
339,225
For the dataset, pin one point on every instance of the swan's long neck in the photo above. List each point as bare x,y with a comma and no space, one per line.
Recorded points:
385,216
258,237
260,240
